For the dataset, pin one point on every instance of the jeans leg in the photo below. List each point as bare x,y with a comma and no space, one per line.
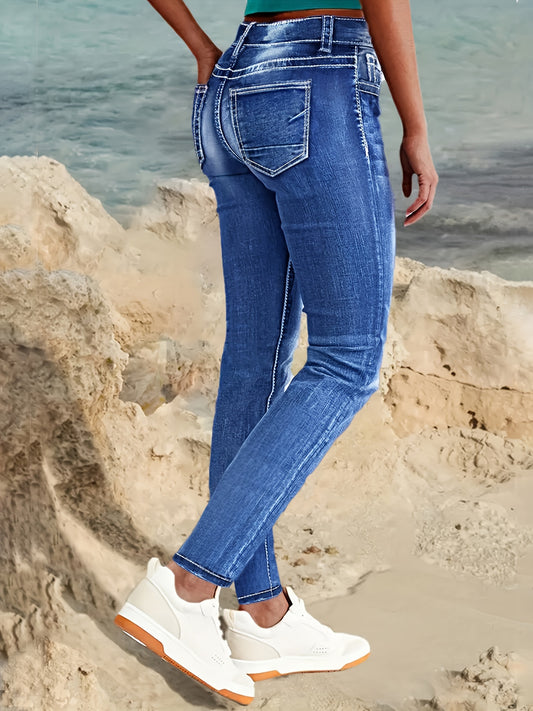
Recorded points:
261,334
336,213
346,290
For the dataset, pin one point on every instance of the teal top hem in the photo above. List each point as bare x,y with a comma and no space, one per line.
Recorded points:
288,5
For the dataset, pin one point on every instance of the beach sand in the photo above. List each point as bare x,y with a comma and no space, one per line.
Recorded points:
415,531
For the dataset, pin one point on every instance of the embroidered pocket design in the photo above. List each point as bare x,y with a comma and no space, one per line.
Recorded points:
271,124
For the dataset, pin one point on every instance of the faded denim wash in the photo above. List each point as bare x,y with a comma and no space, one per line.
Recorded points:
287,131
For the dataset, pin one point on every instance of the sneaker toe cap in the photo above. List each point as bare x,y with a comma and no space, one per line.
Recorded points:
353,646
241,683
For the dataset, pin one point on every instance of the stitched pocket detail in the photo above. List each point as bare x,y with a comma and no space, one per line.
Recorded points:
200,92
370,72
271,124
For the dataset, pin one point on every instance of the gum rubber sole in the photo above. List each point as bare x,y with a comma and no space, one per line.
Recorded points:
261,676
145,638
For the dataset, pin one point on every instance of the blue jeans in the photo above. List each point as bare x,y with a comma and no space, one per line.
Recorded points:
287,131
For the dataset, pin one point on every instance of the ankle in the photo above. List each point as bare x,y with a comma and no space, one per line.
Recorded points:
190,587
268,613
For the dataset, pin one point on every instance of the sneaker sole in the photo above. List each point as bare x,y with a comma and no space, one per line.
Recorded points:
261,676
145,638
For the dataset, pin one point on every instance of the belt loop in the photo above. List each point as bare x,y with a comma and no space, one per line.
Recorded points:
241,40
327,34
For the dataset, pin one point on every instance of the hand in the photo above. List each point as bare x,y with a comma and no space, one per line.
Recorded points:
206,63
415,158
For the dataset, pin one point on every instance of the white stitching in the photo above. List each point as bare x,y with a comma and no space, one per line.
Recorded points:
327,34
215,575
358,106
347,43
304,153
281,331
277,145
199,100
280,60
267,562
218,122
222,84
241,597
272,85
363,85
323,35
274,368
259,68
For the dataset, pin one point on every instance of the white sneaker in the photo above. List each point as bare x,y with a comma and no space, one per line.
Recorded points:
186,634
298,643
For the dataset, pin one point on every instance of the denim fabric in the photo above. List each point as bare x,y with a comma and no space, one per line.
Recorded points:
287,131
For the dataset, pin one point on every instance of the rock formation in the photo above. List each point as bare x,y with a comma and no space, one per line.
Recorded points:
110,340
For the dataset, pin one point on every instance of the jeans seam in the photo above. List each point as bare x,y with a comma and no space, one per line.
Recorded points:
273,387
199,100
260,68
218,98
379,248
288,62
268,563
358,106
327,34
260,592
201,567
342,43
291,84
281,331
365,86
218,123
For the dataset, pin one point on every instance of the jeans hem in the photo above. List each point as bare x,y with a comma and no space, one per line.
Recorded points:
200,572
260,596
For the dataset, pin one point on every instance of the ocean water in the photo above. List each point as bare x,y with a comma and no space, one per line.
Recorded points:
106,88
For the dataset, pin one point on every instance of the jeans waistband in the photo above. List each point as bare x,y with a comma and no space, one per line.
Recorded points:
326,29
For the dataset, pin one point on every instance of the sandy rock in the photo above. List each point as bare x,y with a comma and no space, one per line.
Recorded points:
464,352
450,308
182,210
67,227
15,244
64,315
57,675
488,685
158,371
474,537
110,343
60,370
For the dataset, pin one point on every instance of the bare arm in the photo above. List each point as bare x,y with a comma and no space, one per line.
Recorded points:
179,17
389,22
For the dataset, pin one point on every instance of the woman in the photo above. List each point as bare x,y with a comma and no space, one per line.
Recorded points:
285,125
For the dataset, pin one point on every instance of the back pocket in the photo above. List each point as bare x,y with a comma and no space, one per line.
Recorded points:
271,124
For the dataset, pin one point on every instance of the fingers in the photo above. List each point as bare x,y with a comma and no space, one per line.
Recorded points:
407,184
424,201
415,158
407,172
420,205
